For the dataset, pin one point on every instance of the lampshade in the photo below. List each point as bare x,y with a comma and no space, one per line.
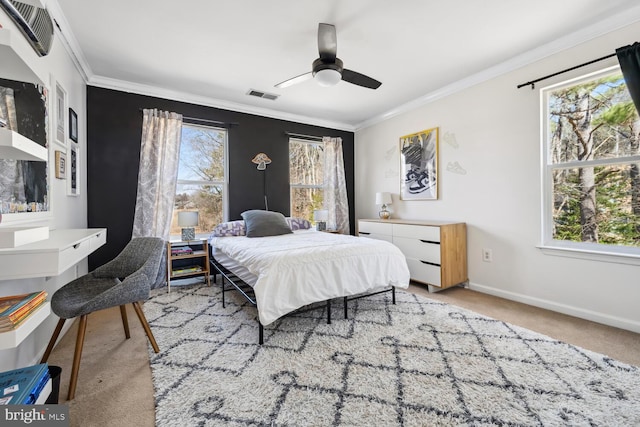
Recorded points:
383,198
328,77
188,219
321,215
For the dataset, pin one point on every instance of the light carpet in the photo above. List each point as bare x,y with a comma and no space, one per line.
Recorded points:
416,363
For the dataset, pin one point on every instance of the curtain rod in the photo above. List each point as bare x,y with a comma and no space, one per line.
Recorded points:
302,136
196,119
533,82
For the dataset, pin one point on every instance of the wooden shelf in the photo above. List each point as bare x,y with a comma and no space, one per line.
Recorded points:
18,58
11,339
200,251
15,146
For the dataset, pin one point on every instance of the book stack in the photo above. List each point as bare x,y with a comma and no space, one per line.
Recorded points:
185,270
15,309
23,386
183,250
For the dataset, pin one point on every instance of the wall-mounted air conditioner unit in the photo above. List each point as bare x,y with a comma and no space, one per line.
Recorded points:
34,21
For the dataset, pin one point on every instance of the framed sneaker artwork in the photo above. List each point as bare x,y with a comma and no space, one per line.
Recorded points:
419,165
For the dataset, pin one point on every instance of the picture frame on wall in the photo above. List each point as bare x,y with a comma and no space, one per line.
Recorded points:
72,181
61,164
419,165
60,109
73,125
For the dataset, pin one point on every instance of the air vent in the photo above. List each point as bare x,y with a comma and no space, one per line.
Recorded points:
34,22
264,95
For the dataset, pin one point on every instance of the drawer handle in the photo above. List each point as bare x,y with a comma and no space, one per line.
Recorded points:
76,246
98,235
364,232
430,263
430,241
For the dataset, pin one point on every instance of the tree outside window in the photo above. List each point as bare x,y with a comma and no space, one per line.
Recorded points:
592,163
306,177
202,176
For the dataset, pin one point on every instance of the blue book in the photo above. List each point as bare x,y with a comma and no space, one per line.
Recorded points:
23,386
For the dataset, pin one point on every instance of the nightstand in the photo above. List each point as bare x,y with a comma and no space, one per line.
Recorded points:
187,259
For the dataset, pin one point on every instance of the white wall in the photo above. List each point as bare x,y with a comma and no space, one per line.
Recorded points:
68,211
493,131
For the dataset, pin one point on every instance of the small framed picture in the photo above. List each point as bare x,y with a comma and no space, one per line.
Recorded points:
73,125
60,110
61,164
72,169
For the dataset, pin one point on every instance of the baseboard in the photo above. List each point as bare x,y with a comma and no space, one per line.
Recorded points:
618,322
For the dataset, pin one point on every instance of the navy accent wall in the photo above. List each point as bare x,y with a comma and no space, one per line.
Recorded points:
114,123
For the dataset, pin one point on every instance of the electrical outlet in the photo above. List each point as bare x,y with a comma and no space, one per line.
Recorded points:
487,255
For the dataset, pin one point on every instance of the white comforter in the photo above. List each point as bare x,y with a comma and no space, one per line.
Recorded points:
308,266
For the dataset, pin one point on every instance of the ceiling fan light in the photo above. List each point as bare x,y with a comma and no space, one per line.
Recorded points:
328,77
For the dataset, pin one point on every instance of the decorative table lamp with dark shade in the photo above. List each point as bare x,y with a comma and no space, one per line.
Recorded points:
321,217
383,199
188,220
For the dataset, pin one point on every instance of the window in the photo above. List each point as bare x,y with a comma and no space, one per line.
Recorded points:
202,176
306,177
591,161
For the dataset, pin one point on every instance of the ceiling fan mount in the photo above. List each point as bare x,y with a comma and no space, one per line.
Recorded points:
328,69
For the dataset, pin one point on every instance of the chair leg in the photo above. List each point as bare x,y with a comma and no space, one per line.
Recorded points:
125,323
82,328
145,325
53,340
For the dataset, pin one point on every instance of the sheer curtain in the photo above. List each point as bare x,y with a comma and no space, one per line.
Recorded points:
335,185
157,177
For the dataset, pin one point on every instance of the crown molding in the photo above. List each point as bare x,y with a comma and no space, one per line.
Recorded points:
142,89
603,27
68,39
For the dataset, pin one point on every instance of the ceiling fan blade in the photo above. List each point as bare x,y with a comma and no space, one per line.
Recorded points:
327,42
295,80
359,79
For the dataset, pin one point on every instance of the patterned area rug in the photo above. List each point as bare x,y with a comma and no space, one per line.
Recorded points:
416,363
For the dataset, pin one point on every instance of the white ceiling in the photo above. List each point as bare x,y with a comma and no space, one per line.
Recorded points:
213,52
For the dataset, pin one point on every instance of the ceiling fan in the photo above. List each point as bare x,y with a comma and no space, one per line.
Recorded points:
327,70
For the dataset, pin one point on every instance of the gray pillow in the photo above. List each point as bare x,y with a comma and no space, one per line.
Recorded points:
265,223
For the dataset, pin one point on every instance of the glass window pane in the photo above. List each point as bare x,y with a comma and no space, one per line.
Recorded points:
609,214
206,199
202,153
304,201
306,163
592,120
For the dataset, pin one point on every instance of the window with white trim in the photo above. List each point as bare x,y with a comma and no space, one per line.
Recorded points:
202,177
591,165
306,177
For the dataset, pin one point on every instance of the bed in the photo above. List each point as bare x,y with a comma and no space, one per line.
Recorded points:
298,266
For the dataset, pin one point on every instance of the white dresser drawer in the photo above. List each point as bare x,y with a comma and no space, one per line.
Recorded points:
74,254
424,273
98,240
418,249
429,233
377,237
370,227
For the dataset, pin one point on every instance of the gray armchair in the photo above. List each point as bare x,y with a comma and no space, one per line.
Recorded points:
125,279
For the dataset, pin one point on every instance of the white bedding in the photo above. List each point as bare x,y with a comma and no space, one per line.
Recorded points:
308,266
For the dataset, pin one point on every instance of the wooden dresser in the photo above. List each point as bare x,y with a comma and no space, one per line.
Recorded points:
436,251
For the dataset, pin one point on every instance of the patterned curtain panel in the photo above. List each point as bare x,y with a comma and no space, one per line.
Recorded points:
157,177
335,186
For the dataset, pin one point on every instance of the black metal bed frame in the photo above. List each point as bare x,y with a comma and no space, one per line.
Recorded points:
247,292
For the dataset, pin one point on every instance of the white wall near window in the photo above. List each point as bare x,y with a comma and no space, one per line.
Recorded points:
491,179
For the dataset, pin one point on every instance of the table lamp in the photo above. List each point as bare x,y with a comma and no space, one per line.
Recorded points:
320,217
383,199
188,220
